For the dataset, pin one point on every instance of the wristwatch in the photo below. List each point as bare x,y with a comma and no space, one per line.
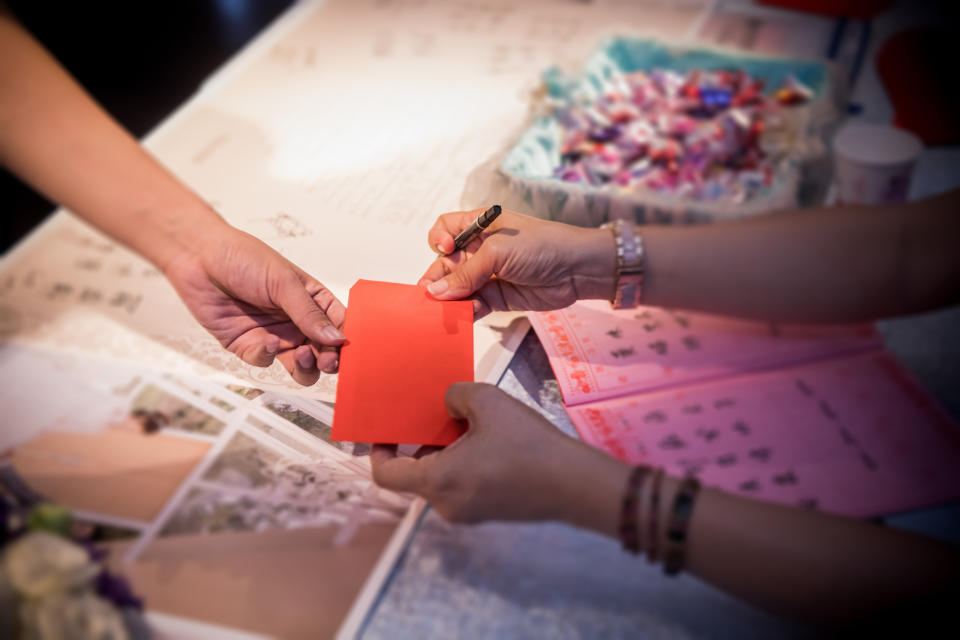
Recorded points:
629,264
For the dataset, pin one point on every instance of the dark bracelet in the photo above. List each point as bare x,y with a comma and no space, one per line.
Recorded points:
629,527
675,551
654,516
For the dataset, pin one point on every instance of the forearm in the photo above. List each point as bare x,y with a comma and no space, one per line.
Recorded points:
822,569
58,140
588,488
844,264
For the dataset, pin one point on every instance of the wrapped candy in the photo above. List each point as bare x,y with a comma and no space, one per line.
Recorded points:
695,135
793,92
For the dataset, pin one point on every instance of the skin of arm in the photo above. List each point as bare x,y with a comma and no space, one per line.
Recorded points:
840,264
57,139
829,571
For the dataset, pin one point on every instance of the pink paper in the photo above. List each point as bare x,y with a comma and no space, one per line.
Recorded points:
819,417
598,353
854,436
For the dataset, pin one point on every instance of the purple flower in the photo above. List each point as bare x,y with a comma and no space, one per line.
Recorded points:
117,590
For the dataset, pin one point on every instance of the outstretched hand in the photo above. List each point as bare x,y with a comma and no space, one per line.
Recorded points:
260,306
511,464
519,263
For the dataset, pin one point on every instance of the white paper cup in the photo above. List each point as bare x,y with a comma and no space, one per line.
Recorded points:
874,163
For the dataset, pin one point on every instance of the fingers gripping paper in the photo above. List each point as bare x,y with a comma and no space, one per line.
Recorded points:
403,350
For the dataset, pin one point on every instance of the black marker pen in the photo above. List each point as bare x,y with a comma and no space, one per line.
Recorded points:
482,222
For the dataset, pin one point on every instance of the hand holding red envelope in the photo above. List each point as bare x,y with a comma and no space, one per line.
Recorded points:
403,350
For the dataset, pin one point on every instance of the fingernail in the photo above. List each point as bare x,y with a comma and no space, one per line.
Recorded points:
440,249
438,287
332,333
272,345
304,359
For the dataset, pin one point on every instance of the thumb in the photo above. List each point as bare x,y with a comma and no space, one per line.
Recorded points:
471,274
303,310
463,398
395,473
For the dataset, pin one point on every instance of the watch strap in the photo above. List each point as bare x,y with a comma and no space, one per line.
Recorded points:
630,258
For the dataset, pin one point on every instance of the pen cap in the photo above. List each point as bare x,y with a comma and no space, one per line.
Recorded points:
488,216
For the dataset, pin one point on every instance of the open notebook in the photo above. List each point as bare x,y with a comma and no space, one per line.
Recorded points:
819,417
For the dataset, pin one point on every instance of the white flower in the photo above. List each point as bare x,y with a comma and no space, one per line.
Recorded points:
53,579
41,563
71,616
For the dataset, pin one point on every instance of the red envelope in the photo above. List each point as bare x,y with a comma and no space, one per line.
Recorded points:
403,350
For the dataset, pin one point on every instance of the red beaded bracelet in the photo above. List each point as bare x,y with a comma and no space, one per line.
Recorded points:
629,527
675,551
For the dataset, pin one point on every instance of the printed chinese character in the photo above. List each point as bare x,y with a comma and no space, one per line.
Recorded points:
126,301
749,485
660,347
87,264
59,290
692,409
692,343
694,466
727,460
707,434
741,427
615,333
804,388
90,295
672,441
785,478
656,417
624,352
683,321
724,403
760,455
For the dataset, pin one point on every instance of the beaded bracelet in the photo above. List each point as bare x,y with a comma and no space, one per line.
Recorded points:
629,527
653,515
674,551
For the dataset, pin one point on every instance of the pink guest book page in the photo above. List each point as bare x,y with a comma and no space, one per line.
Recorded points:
598,353
820,418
